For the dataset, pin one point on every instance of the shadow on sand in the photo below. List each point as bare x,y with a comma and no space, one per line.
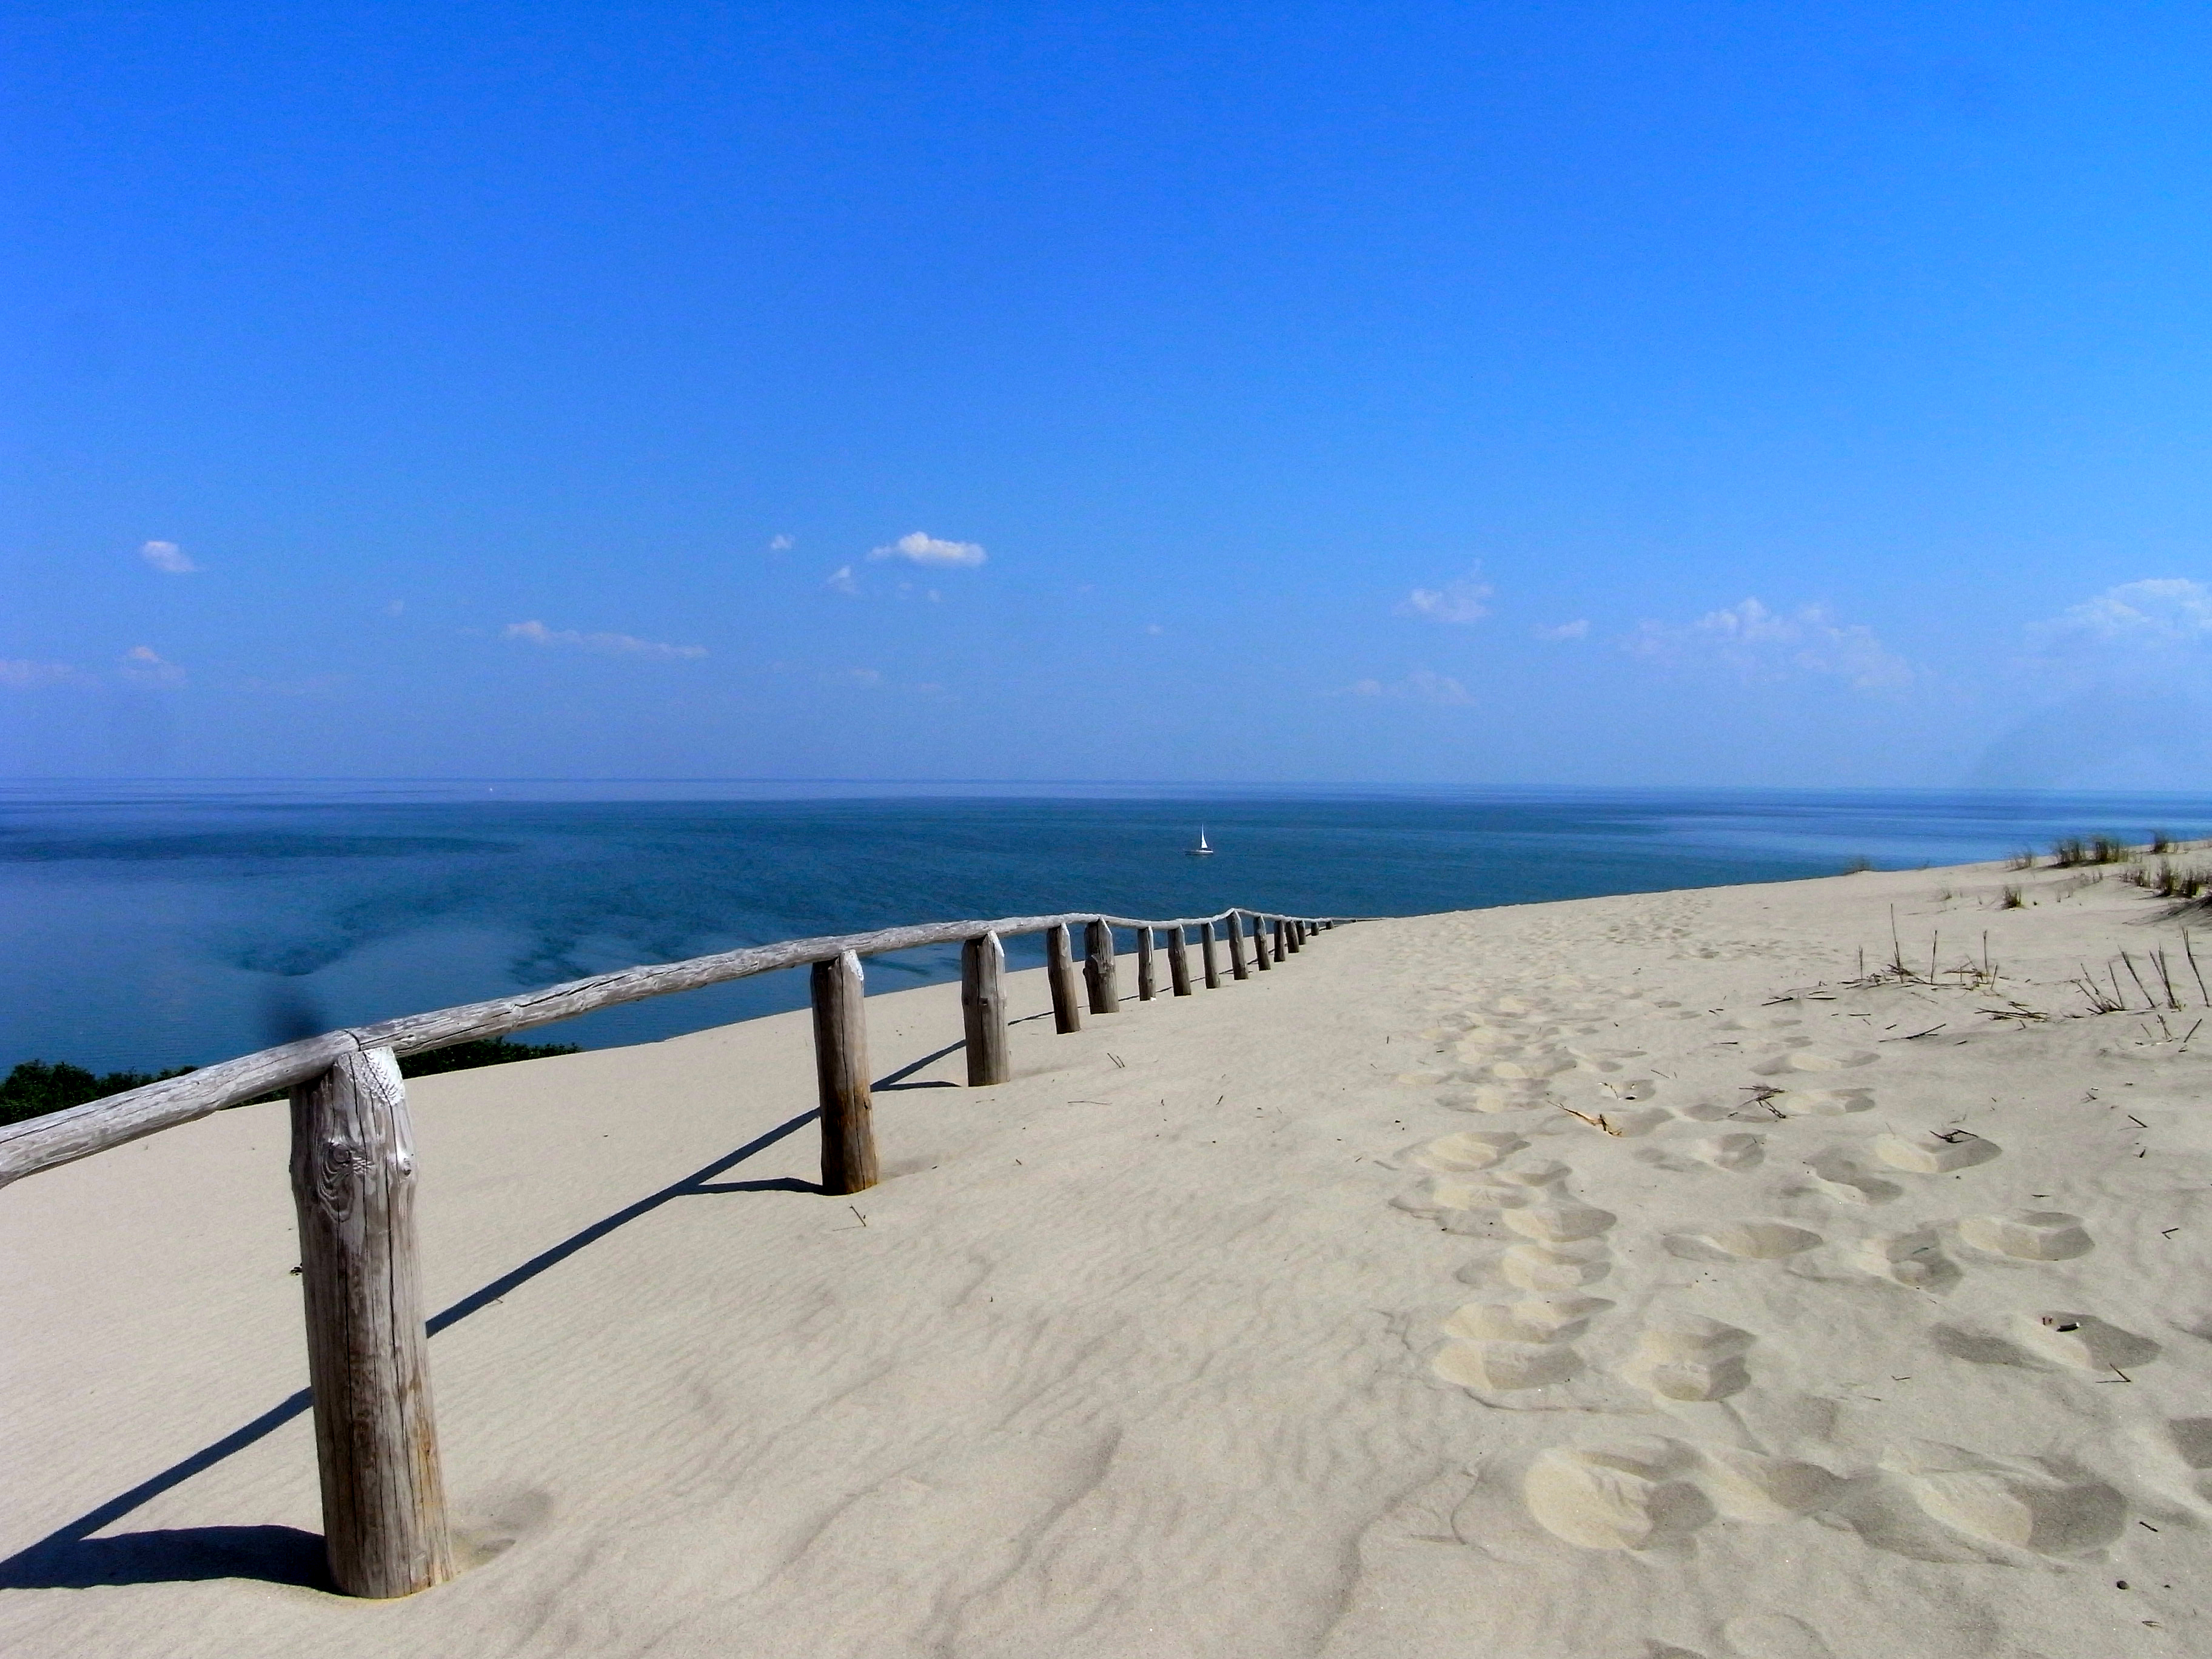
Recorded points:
71,1558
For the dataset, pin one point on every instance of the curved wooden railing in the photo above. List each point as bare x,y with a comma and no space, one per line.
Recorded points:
353,1164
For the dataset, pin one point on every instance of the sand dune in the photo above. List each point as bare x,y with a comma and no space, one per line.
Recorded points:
1635,1277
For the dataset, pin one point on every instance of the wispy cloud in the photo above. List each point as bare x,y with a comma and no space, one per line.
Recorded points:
167,558
1422,685
1577,629
1467,600
616,644
143,666
782,543
843,580
1761,644
928,549
2162,611
21,674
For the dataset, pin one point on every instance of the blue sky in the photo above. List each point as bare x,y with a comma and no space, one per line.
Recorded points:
1610,394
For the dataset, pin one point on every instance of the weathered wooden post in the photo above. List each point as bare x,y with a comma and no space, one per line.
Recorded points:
1260,957
1237,970
1148,980
1059,973
1207,955
983,1010
1178,962
1293,940
1099,974
841,1071
369,1359
1275,938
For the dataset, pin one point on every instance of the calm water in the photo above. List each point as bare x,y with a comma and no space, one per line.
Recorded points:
161,926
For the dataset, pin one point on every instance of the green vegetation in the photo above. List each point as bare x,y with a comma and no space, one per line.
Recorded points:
36,1087
485,1051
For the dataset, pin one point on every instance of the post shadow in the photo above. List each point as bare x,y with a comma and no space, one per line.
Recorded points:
71,1558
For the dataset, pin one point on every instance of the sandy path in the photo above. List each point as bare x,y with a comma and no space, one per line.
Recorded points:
1306,1316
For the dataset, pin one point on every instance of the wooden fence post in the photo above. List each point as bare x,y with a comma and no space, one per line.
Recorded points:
1260,957
1178,962
983,1010
368,1359
1237,970
1059,973
1275,938
1208,955
1148,979
1293,937
841,1071
1099,974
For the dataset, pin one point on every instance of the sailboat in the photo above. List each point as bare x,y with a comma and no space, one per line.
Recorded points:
1200,851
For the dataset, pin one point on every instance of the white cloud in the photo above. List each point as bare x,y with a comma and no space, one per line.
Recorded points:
1422,685
143,666
928,549
21,674
1466,600
843,580
621,645
782,543
1577,629
2162,611
168,558
1761,644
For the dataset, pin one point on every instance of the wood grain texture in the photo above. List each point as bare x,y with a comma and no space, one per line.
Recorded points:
1238,968
983,1011
1209,958
54,1139
1059,973
1178,963
368,1361
841,1071
1100,977
1148,976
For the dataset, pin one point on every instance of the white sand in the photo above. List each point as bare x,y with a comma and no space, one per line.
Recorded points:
1298,1317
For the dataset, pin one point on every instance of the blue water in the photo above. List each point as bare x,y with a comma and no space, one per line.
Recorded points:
161,925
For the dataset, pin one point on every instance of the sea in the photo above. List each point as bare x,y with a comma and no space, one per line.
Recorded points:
159,924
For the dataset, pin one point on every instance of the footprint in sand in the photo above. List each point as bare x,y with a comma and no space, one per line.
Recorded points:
1744,1241
2082,1340
1814,1059
1835,1176
2008,1502
1693,1359
1628,1495
1470,1150
1559,1221
1555,1267
1542,1318
1822,1102
2028,1235
1938,1151
1732,1152
1914,1259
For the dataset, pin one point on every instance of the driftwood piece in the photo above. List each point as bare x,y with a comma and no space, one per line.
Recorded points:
1099,977
983,1011
840,1071
1208,958
1148,978
368,1360
1060,972
1237,970
1178,963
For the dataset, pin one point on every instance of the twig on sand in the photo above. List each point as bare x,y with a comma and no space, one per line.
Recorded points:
1597,1123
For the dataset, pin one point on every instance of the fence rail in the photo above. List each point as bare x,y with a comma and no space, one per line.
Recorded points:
353,1164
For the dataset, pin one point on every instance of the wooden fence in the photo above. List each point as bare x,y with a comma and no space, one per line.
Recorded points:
353,1165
